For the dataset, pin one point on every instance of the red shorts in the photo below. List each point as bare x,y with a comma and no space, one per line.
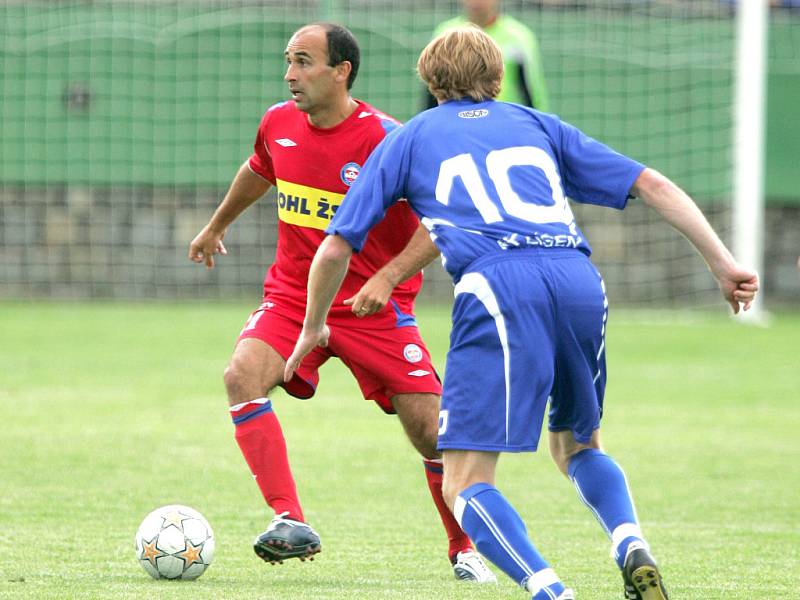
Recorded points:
385,362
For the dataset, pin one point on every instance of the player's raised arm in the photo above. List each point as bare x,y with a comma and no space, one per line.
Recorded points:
375,293
246,188
738,284
324,280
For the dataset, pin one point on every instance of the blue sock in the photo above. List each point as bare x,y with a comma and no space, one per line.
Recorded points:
602,486
500,535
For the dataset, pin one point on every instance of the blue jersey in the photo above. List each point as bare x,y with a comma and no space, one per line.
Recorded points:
487,177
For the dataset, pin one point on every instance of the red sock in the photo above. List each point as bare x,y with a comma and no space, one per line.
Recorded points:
261,441
459,541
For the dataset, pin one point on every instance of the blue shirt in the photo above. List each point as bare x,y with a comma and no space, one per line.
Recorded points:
487,177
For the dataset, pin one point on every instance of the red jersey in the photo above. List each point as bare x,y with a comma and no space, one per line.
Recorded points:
313,169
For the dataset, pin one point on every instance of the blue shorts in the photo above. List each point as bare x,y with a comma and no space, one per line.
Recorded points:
527,325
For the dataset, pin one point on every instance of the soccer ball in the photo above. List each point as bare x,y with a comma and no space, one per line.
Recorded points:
175,542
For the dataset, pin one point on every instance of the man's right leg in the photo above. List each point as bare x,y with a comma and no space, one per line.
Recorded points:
255,369
419,415
494,525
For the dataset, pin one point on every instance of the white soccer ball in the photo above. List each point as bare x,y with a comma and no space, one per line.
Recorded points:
175,542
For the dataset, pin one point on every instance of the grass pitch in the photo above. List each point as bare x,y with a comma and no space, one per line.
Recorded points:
111,410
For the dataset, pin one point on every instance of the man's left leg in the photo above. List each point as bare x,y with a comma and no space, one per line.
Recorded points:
602,486
419,414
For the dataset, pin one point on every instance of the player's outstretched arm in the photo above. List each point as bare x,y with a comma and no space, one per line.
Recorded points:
375,293
324,279
737,283
246,188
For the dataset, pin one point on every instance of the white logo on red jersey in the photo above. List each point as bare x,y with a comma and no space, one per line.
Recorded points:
286,142
364,114
419,373
412,353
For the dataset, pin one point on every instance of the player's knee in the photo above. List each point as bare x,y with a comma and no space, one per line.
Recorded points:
239,382
231,377
562,455
563,447
426,436
425,441
454,484
450,490
419,416
562,462
423,434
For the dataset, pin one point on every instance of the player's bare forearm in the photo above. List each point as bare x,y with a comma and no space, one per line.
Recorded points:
738,284
324,280
375,293
418,253
680,211
246,188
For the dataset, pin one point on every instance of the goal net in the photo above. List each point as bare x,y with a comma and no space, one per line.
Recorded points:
124,121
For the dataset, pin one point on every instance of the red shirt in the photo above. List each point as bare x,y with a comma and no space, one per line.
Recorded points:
313,169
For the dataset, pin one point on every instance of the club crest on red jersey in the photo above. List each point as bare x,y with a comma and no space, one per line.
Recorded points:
412,353
349,173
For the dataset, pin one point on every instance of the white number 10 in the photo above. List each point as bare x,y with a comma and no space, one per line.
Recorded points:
498,164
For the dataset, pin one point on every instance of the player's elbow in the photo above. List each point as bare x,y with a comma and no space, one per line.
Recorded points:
651,185
335,249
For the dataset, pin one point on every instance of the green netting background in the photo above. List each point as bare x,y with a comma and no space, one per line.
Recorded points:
167,92
122,122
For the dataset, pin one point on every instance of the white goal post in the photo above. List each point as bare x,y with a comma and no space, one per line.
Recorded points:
748,143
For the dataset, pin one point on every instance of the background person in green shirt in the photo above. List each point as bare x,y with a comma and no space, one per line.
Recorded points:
523,81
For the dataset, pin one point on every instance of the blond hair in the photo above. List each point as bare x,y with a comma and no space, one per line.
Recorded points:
462,62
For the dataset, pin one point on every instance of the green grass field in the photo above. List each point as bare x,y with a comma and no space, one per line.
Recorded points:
111,410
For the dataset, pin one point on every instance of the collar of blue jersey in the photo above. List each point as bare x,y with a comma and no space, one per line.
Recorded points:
467,101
